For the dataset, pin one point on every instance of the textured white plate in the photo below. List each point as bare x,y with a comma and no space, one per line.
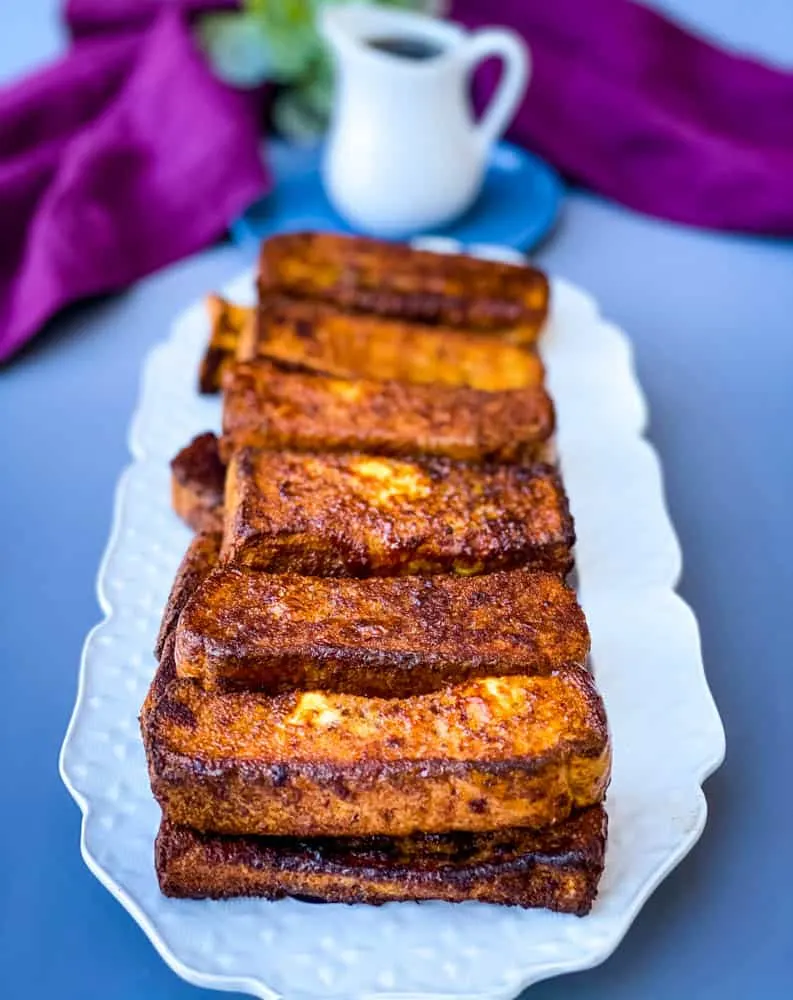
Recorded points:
666,730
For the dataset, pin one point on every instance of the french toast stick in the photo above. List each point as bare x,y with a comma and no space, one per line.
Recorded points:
382,636
558,869
229,324
360,515
265,406
393,279
488,754
198,478
325,338
164,676
198,560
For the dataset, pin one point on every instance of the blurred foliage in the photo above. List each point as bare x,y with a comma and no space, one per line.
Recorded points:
277,41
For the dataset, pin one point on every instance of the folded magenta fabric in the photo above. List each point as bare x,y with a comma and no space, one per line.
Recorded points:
122,157
629,104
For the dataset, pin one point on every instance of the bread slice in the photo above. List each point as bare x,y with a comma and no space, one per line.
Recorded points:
229,325
387,637
267,406
358,515
392,279
198,478
200,558
488,754
325,338
558,868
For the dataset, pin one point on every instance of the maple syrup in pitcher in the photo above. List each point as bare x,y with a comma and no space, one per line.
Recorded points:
405,47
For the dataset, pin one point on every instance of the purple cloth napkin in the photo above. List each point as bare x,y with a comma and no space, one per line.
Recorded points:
122,157
629,104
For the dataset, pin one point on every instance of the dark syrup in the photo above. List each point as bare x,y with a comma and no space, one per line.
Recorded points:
405,47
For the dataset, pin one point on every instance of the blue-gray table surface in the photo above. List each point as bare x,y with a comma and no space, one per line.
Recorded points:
711,320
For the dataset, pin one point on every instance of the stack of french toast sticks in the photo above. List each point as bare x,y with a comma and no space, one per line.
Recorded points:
373,678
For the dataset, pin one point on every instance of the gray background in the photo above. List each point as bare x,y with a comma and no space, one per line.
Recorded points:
711,318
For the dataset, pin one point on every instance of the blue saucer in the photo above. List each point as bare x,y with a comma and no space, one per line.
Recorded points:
517,207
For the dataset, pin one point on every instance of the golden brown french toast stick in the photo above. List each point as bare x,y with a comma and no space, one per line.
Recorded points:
197,482
386,636
488,754
229,325
360,515
392,279
198,560
557,868
322,337
264,405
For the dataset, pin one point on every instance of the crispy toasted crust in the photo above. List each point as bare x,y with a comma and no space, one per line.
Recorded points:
324,338
229,324
197,481
359,515
558,868
164,675
201,556
485,755
391,279
198,561
305,411
386,637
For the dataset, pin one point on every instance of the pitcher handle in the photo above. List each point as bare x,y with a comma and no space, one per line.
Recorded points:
514,53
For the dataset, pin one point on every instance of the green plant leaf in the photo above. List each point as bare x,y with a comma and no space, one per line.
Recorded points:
236,48
289,27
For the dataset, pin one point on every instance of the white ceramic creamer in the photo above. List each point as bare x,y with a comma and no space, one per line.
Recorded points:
405,153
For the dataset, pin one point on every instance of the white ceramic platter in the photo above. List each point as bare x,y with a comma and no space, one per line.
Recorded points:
666,730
